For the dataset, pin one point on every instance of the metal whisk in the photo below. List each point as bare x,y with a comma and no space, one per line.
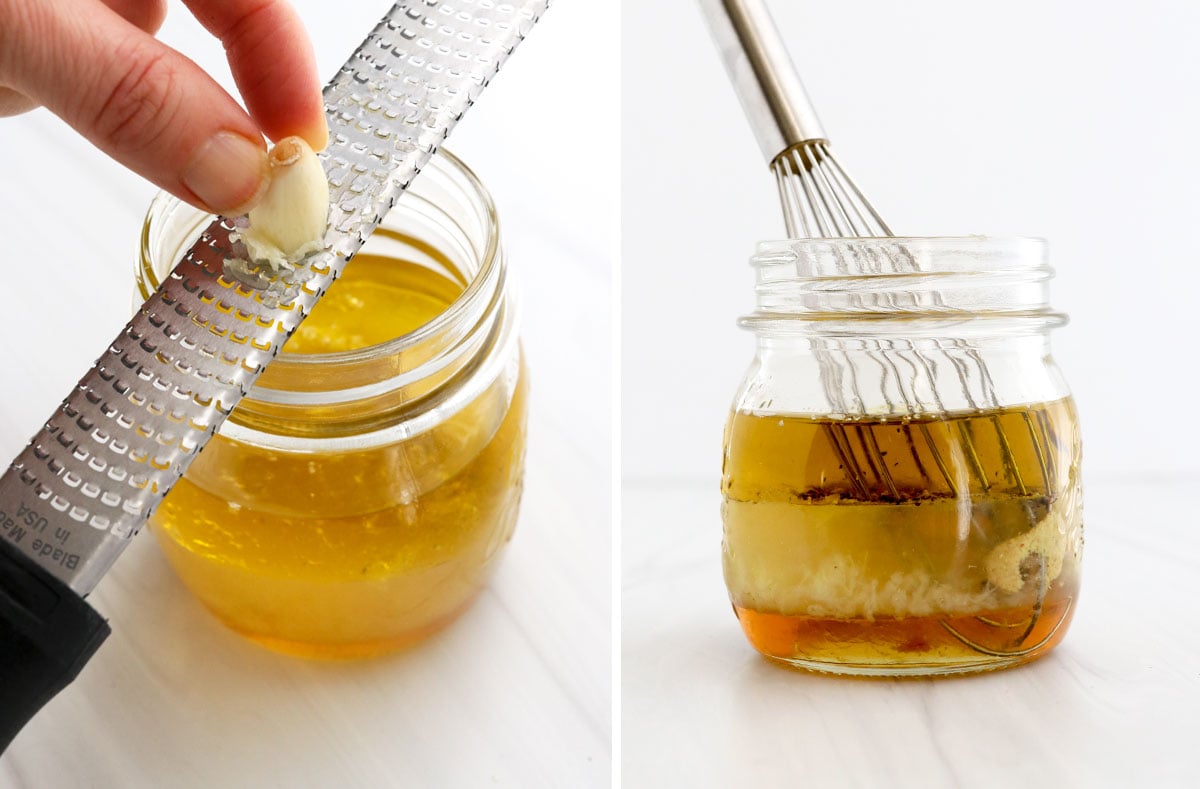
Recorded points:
818,198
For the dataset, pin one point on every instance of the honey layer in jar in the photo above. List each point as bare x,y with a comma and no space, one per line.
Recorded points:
913,545
353,552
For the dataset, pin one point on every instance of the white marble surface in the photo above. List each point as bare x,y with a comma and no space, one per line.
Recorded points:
1117,704
516,693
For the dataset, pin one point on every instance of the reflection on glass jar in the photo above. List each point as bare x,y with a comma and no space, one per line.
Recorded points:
358,497
901,474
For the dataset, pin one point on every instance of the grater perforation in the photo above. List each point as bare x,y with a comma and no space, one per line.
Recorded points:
129,429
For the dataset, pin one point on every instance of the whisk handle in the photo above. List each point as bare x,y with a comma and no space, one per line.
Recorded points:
761,70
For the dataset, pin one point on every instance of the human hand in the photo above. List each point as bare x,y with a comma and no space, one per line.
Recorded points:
96,64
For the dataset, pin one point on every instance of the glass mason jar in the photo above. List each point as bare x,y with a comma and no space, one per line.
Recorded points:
357,499
901,468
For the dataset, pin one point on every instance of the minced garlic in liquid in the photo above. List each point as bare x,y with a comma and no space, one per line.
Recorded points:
355,552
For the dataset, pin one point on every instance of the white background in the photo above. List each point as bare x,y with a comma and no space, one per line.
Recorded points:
517,692
1073,121
1069,120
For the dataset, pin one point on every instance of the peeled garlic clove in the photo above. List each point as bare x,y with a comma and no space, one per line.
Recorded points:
290,221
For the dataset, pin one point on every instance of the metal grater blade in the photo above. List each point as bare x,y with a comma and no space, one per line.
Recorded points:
91,477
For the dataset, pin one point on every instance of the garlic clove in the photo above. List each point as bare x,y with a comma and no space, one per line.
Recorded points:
1046,539
291,219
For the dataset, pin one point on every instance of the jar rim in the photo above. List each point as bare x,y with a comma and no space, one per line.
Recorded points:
933,278
969,238
462,303
1003,252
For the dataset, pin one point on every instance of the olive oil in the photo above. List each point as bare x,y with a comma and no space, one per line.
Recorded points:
919,545
359,548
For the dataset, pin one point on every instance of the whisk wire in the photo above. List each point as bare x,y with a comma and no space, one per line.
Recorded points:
872,224
795,208
820,200
840,225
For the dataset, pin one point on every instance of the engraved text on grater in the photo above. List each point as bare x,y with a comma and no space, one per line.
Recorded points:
107,456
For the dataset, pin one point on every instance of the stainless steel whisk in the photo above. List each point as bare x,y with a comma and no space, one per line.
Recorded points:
819,200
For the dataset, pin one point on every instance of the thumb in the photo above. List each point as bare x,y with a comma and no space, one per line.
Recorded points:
143,103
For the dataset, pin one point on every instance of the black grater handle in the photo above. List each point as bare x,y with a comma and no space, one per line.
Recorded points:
47,633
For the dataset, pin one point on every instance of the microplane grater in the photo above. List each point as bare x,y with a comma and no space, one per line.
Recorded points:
91,477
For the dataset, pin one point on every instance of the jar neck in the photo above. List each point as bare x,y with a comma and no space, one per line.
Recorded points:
414,380
901,327
445,222
920,287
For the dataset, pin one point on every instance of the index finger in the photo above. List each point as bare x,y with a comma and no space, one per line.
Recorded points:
273,64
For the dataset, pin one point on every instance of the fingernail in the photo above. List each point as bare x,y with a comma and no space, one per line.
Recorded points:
318,137
227,173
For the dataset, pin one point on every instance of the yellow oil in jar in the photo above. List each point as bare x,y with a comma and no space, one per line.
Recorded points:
910,545
357,550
